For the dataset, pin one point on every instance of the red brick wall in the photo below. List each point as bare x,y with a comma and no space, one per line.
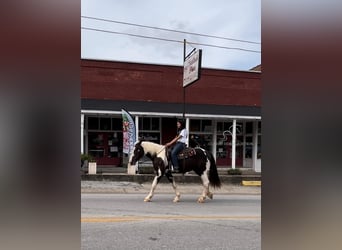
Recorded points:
159,83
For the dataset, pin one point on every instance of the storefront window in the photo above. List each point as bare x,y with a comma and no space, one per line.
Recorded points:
93,123
96,144
155,123
201,134
150,136
149,129
249,127
200,125
206,126
195,125
104,140
225,126
117,124
105,124
249,147
201,140
114,144
224,143
145,123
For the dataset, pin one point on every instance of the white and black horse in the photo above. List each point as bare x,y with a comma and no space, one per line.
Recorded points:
201,162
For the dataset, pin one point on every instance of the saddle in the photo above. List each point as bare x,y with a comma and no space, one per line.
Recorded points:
184,154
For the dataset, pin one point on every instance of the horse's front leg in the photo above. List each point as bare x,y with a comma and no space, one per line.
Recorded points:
171,179
153,187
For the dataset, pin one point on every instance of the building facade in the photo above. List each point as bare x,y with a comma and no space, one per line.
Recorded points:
222,110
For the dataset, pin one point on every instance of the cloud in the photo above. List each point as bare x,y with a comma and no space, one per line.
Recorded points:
232,19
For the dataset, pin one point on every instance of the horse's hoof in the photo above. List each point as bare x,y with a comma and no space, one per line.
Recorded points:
175,200
210,195
147,200
201,200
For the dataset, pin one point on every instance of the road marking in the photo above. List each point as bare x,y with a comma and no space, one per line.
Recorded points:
144,218
251,183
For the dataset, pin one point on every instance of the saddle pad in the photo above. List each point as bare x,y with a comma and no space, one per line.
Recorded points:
186,153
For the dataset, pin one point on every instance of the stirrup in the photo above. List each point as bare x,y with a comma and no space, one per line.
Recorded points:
176,170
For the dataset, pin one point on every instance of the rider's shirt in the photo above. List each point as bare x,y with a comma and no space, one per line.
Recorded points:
184,136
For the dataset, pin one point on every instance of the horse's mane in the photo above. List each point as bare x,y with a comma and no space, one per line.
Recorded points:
153,144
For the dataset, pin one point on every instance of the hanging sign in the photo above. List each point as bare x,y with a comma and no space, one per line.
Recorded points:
192,68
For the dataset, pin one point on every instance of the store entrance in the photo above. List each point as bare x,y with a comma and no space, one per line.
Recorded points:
105,147
169,129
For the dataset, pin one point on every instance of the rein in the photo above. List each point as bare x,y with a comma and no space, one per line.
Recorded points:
161,150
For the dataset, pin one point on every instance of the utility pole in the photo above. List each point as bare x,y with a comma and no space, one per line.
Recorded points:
184,55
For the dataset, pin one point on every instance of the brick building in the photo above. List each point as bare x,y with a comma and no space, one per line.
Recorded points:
223,103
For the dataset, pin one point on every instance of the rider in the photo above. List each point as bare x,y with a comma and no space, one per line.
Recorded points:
180,140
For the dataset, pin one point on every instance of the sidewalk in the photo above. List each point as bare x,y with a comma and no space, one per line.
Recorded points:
116,180
122,187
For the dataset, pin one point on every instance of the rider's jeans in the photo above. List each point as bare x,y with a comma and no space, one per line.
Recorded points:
179,146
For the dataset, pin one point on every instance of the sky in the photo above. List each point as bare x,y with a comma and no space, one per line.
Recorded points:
230,19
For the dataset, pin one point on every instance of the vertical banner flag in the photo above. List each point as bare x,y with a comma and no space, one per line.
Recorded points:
128,132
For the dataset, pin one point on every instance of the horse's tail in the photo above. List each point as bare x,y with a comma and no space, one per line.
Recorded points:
214,178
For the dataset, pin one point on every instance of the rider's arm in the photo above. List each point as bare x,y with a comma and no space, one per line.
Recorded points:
173,141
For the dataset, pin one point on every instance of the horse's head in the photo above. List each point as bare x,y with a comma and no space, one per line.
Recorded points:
137,154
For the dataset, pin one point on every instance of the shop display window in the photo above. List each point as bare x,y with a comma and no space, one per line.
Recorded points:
149,129
105,140
201,134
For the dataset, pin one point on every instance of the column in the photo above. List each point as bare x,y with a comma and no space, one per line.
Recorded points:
137,127
244,144
187,126
255,145
233,144
214,140
82,133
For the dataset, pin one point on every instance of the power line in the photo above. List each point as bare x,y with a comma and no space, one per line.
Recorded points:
171,30
168,40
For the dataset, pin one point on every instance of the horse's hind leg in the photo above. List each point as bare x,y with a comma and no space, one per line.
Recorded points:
205,182
153,187
171,179
210,195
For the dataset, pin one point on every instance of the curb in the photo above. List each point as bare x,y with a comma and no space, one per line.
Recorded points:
142,178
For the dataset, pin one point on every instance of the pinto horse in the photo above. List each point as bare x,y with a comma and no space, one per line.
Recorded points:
201,162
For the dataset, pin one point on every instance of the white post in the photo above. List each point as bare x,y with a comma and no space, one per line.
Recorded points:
255,145
82,133
214,140
92,168
137,127
244,144
233,144
187,126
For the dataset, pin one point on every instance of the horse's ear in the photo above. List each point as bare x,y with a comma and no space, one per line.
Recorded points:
139,141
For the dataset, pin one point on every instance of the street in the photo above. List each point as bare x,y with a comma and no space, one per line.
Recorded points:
124,221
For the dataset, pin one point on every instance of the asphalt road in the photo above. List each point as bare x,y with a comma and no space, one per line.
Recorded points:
124,187
124,221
